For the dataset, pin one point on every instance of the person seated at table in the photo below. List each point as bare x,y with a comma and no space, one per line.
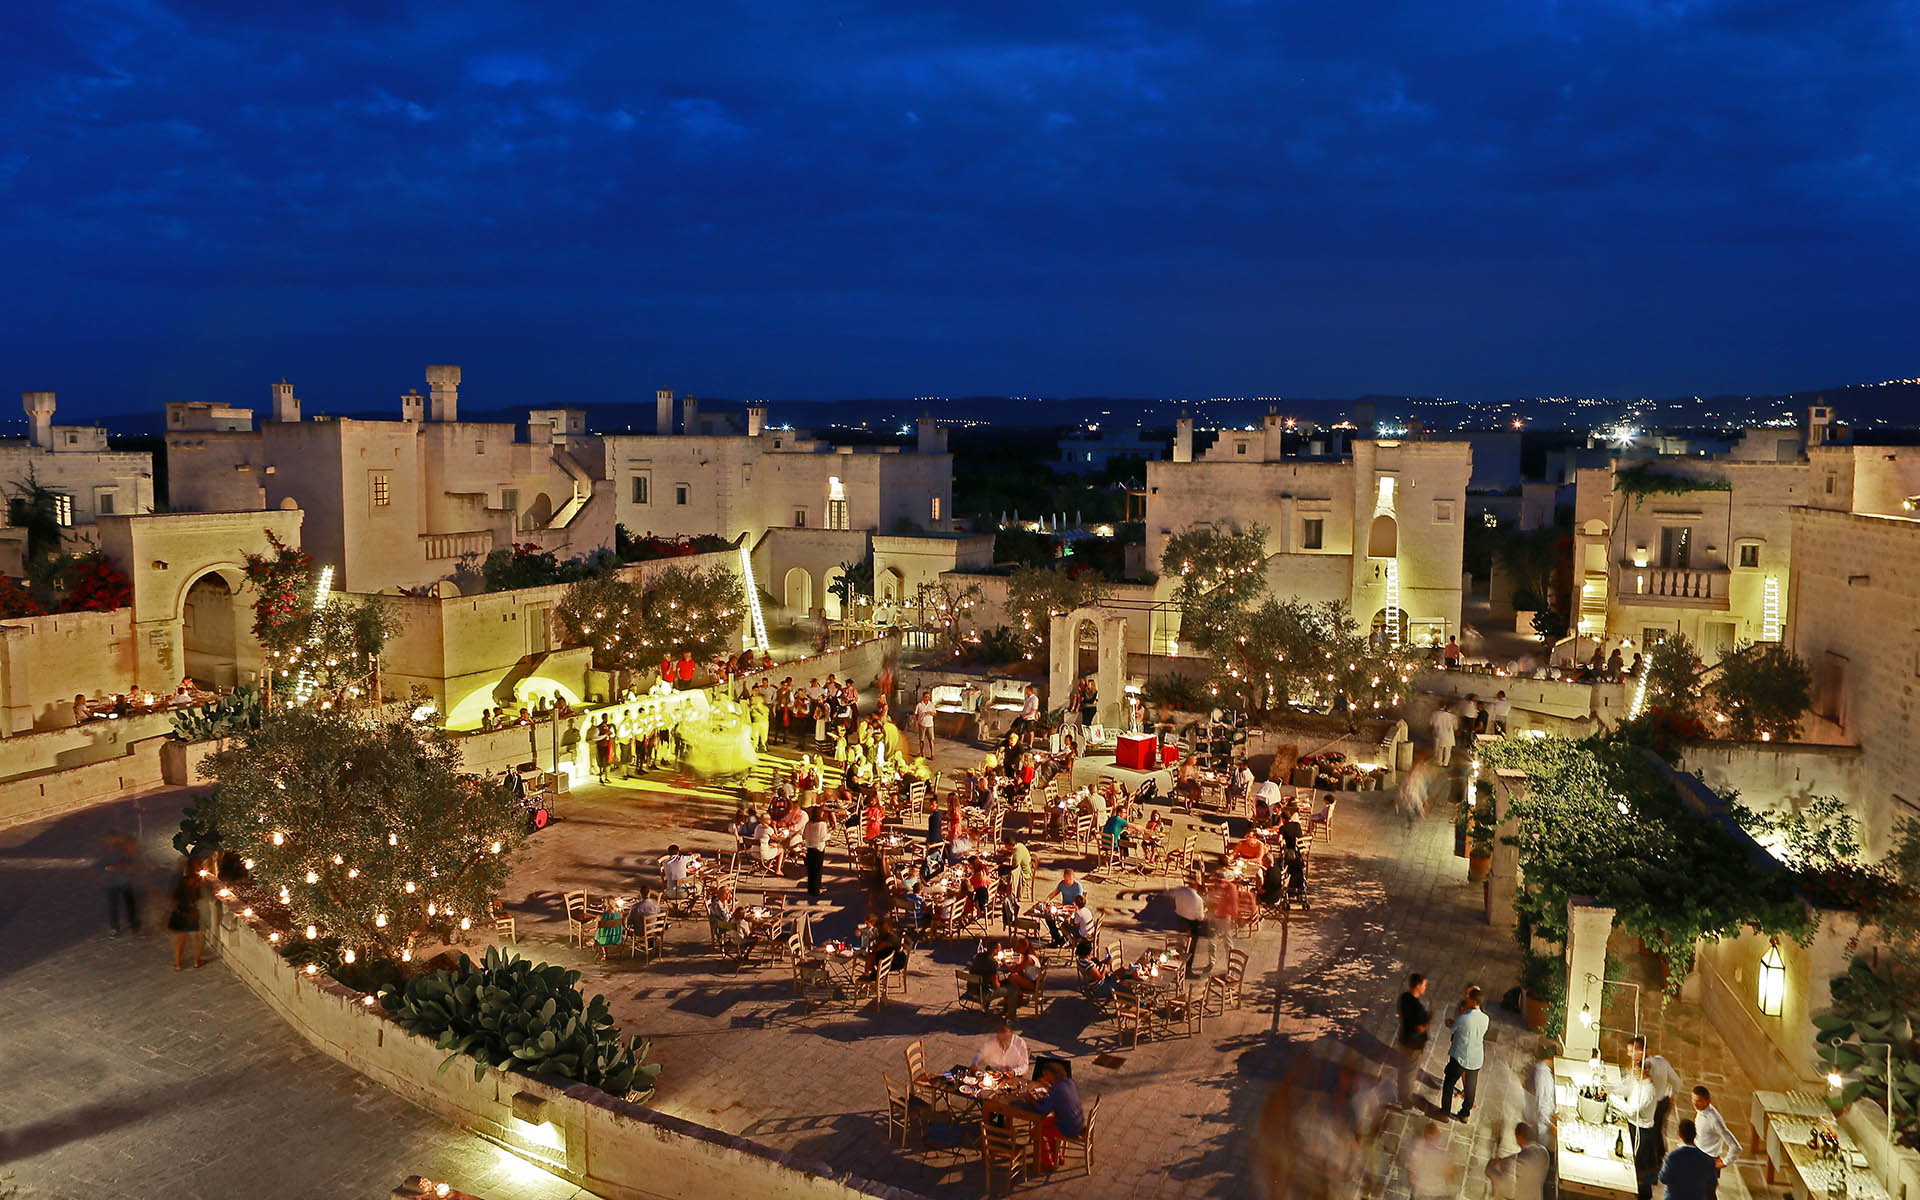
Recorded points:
1296,864
1062,1116
646,905
1273,881
1068,889
772,851
781,802
1113,835
1155,831
1022,979
719,910
674,869
979,887
884,947
1004,1052
876,817
961,844
1081,922
82,711
1263,816
1250,847
1290,830
1102,977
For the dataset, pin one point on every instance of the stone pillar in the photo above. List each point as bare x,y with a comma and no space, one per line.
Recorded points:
443,386
1503,881
1111,678
286,406
1588,925
1063,654
756,419
1274,437
663,411
689,415
39,409
1183,439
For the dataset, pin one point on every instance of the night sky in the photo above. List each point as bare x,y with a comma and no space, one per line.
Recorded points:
584,201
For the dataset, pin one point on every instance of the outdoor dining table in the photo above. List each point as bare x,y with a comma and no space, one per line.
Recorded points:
764,921
844,961
977,1088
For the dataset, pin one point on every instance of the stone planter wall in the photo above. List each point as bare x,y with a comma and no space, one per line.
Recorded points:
614,1149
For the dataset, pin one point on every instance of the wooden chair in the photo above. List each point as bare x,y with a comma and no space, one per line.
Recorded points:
1082,1147
905,1111
1131,1018
504,927
969,988
653,936
880,984
1320,824
1083,830
1180,1004
1001,1148
580,917
1248,916
1225,989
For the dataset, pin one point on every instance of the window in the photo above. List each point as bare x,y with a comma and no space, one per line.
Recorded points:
1651,636
1676,546
934,511
639,489
479,445
680,493
62,509
382,489
1829,480
1443,512
837,515
103,503
799,518
1239,447
73,439
1750,555
1313,533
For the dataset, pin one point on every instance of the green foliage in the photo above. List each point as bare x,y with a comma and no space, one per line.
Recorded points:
1644,479
527,565
1815,835
1762,688
237,712
515,1015
1599,818
1673,677
325,653
1875,1006
1221,575
631,626
942,608
400,843
852,580
1290,653
996,645
1181,692
1549,625
1024,547
198,833
1034,594
1534,560
34,507
630,549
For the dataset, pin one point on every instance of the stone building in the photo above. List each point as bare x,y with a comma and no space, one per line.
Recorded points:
87,479
806,506
1703,545
398,503
1090,451
1380,528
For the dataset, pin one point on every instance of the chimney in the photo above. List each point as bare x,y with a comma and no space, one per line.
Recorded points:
689,415
443,399
286,406
1183,439
663,411
1819,424
756,419
932,437
1275,430
413,406
39,409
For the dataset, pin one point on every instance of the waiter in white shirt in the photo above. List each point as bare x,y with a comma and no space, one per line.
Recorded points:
1540,1103
1635,1100
1004,1051
1666,1084
1713,1136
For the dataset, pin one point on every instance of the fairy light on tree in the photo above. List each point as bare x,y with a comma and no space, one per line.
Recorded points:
317,642
343,815
1287,652
676,610
1221,575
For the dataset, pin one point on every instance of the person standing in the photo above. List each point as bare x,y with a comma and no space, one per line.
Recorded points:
1635,1099
600,739
183,918
923,724
1715,1140
1498,709
1689,1173
1666,1081
1525,1170
1430,1170
1539,1106
1465,1055
1450,656
1192,911
1444,726
1471,715
121,858
1029,714
685,669
814,836
1410,1044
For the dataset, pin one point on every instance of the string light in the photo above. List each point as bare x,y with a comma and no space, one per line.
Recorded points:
380,920
313,931
313,877
347,957
408,887
279,839
313,968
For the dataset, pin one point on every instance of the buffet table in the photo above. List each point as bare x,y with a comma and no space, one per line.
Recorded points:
1596,1157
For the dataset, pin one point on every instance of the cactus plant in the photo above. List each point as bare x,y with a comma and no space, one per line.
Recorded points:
515,1015
232,714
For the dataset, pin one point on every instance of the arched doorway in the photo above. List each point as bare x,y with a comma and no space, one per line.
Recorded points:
1377,627
539,513
797,590
1383,538
1086,641
829,599
210,628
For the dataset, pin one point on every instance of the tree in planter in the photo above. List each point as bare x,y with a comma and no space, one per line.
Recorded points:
1221,575
1287,653
679,610
852,580
1673,677
368,832
1034,594
1762,689
943,609
318,647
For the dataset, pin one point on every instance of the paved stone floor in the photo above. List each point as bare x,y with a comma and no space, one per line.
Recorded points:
125,1079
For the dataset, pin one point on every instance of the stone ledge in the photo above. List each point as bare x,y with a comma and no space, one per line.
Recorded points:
613,1148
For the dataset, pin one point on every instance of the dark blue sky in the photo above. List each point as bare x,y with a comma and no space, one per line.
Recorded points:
800,200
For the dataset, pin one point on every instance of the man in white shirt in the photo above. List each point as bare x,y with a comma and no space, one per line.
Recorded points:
1004,1052
1539,1104
1444,725
1497,711
1713,1137
1465,1055
1666,1082
1634,1099
674,869
1029,713
1191,909
923,723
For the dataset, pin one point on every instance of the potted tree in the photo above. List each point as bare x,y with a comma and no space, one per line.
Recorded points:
1542,984
1480,833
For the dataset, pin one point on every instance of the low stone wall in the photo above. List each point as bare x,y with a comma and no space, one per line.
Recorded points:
1553,705
77,745
44,794
614,1149
1774,777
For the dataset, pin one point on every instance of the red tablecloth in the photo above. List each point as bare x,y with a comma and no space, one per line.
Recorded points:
1136,751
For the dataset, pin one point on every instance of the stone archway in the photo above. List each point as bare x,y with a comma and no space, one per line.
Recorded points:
1110,657
1383,537
167,556
212,619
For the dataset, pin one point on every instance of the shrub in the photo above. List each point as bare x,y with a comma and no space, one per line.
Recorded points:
514,1015
236,713
1180,692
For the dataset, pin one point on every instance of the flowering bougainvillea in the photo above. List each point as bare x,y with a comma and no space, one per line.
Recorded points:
95,584
16,601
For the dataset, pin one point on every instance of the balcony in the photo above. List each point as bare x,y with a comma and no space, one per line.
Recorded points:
1674,587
